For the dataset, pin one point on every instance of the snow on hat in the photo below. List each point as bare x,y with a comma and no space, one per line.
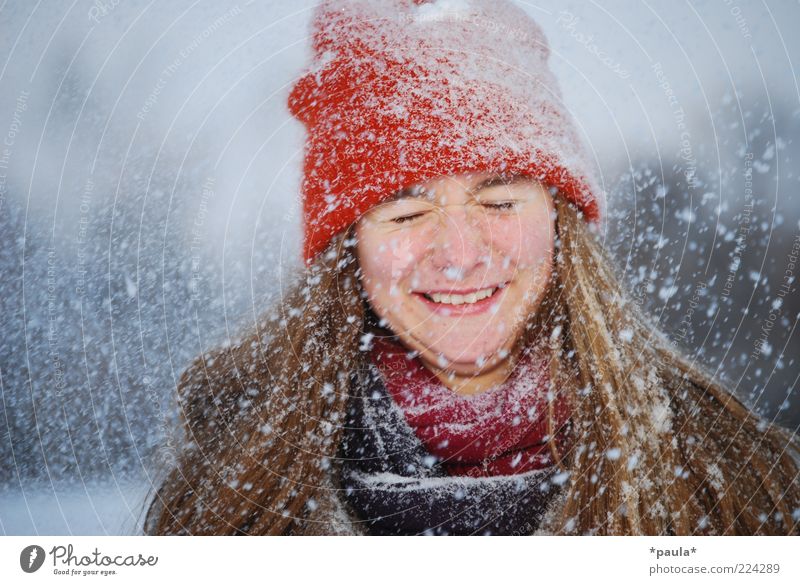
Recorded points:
404,91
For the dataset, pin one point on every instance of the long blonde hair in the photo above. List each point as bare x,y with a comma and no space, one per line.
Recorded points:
657,446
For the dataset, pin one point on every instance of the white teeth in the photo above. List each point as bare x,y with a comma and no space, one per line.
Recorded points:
462,299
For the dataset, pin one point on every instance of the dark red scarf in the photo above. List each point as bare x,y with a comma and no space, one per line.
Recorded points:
501,431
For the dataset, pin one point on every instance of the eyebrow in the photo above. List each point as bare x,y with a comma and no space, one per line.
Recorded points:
493,181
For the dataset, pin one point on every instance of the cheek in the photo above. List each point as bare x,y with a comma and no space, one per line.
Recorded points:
387,260
524,244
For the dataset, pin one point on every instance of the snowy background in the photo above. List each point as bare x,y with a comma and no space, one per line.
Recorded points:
149,173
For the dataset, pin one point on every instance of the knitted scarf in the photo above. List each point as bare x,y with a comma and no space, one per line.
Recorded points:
418,458
502,431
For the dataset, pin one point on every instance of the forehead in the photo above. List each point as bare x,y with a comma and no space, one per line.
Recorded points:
472,183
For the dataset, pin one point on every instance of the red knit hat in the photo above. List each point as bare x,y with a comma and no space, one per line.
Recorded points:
404,91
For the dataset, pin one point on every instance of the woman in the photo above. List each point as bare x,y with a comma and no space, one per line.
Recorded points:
458,356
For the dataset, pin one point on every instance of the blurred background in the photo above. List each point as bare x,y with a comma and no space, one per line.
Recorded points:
149,179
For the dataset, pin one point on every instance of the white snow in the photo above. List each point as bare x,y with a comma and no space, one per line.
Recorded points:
441,9
97,509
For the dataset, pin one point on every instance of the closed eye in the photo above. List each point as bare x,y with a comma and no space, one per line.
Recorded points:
406,218
504,205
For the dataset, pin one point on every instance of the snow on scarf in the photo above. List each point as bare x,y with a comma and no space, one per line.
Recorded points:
397,486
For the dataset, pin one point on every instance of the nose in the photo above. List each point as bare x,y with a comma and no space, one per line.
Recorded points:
459,245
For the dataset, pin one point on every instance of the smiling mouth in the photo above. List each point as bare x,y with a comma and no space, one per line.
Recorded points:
463,299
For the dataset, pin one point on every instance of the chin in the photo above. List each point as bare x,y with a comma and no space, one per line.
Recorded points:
468,359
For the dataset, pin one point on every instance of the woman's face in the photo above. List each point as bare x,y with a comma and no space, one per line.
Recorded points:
456,265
